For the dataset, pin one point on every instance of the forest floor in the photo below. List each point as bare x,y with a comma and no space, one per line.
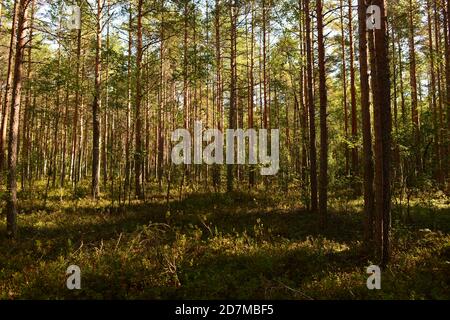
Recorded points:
219,246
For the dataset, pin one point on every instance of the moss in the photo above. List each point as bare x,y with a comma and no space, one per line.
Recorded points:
239,246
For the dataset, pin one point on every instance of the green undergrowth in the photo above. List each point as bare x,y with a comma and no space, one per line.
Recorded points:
243,245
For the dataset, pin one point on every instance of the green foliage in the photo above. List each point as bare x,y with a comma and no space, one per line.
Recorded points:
238,245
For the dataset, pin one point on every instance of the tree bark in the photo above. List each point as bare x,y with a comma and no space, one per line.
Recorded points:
366,124
383,128
323,176
311,108
28,98
13,143
138,143
355,162
76,111
413,84
96,106
233,84
344,89
9,79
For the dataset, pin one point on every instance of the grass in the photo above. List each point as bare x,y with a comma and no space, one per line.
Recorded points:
219,246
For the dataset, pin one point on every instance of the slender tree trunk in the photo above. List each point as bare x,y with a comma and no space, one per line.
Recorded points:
138,142
76,110
323,175
311,108
440,96
432,93
1,80
402,86
264,50
366,124
303,101
28,98
413,84
9,79
13,143
105,138
447,89
186,96
83,135
233,84
55,150
355,162
64,140
344,89
219,96
128,120
252,85
161,106
383,128
96,106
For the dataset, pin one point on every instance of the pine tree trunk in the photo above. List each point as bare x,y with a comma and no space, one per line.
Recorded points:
28,98
432,93
13,143
76,111
344,89
355,162
6,102
323,176
383,136
413,84
366,125
311,108
96,107
128,137
447,89
233,84
138,143
219,96
251,93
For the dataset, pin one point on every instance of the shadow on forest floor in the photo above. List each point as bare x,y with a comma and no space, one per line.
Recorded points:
217,246
224,213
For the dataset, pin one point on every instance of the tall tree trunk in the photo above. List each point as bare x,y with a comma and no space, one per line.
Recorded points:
303,101
251,93
129,91
447,89
366,124
161,106
219,93
9,79
440,96
233,84
28,98
77,108
355,162
413,84
311,108
382,113
344,89
139,151
105,142
432,93
96,106
1,80
64,141
264,49
323,176
13,142
186,85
